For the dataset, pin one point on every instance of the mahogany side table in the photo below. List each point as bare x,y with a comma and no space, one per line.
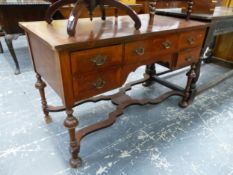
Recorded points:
99,58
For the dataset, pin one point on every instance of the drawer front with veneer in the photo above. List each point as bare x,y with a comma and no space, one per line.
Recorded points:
191,39
95,59
96,83
138,51
188,57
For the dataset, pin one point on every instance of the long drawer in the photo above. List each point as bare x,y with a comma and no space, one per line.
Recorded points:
96,82
95,59
148,49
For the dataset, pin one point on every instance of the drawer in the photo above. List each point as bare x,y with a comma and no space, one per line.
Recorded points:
95,59
188,57
96,83
191,39
148,49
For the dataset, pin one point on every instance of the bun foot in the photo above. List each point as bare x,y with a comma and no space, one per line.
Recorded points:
48,119
17,71
183,104
75,163
147,83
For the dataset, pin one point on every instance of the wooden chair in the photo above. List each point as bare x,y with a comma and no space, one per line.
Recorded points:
110,11
199,6
164,4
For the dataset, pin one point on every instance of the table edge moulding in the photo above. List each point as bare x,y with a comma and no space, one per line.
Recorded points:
99,57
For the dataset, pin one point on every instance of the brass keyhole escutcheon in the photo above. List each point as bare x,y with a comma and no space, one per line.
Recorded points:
167,44
99,60
140,51
191,40
99,83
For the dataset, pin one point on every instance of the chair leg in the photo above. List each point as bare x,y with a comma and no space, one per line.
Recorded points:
40,85
189,90
151,71
71,123
1,49
8,39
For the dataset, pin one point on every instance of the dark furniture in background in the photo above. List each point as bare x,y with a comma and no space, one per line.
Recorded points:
199,6
11,12
223,47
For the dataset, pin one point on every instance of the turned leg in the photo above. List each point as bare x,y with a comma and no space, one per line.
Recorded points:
103,13
194,81
188,90
190,8
40,85
71,123
1,49
152,10
151,71
8,39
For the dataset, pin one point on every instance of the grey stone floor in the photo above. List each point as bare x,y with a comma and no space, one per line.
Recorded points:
152,139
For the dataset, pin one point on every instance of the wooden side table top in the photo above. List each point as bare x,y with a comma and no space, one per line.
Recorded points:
113,30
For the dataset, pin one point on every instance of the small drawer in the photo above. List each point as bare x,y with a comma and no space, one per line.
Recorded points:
148,49
191,39
188,57
96,83
95,59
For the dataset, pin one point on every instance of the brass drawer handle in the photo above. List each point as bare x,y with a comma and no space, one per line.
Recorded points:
99,84
191,40
140,51
189,59
99,60
167,44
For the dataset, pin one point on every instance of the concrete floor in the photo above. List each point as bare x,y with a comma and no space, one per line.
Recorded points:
152,139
